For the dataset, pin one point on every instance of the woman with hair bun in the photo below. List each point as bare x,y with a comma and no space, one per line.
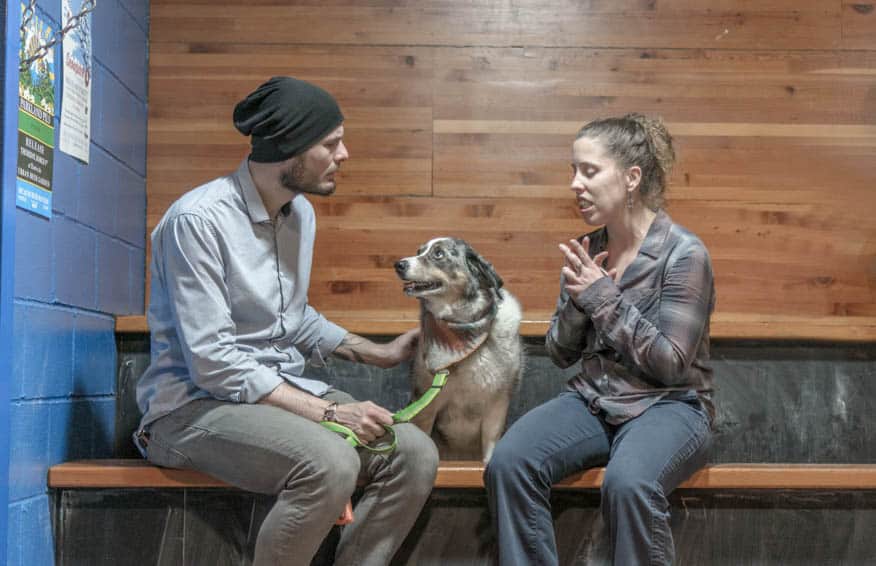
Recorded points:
634,306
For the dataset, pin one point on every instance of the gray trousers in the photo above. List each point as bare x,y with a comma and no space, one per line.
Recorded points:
646,458
312,471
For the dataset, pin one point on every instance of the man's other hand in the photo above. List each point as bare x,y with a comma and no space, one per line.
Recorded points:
365,418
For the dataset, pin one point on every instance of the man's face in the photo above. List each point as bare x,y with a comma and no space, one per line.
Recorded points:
313,172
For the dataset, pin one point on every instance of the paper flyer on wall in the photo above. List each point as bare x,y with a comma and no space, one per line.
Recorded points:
36,111
76,99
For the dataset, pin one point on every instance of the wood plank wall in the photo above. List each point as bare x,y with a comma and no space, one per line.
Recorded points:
461,114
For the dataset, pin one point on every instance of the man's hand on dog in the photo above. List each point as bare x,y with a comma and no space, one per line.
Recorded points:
580,270
365,418
401,349
358,349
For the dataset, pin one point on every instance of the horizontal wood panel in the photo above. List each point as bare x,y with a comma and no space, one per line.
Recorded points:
455,135
627,23
119,474
858,24
763,88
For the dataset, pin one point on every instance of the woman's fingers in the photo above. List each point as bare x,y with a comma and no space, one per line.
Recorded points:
572,259
582,248
577,261
599,259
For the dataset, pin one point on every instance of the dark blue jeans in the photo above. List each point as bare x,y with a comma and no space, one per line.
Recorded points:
646,458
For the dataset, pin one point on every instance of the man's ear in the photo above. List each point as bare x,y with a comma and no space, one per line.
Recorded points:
633,177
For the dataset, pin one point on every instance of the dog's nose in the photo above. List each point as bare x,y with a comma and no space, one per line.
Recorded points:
401,266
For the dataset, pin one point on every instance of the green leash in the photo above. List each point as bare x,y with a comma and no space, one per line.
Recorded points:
403,416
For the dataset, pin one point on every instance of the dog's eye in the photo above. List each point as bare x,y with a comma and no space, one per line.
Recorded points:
438,253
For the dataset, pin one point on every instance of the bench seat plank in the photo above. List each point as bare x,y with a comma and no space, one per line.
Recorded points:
464,474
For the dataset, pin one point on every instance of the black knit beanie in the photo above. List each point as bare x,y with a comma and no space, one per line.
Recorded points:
285,117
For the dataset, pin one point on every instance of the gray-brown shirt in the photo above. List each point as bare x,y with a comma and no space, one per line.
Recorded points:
645,337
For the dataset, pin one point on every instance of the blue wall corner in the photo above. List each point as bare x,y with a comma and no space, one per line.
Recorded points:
28,449
9,61
43,352
94,355
63,279
30,526
75,263
34,271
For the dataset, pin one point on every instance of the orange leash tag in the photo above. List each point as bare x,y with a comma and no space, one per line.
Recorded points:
347,516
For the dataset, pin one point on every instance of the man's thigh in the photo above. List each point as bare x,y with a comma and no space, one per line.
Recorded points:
251,446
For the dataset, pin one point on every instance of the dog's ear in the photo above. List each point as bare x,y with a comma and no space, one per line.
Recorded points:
483,271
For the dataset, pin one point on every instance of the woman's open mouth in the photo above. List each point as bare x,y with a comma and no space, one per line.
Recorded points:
585,205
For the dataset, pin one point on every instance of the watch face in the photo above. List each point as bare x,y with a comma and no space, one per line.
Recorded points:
329,413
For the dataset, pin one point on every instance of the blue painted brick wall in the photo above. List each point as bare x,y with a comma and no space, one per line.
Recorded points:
73,273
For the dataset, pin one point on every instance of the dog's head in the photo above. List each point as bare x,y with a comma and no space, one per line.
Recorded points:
447,269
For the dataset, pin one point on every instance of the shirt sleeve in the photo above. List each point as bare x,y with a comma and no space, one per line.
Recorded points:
317,337
195,281
662,350
565,337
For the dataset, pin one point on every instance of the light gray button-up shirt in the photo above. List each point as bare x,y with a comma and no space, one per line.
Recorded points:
228,311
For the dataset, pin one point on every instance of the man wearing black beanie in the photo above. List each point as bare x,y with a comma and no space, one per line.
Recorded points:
231,333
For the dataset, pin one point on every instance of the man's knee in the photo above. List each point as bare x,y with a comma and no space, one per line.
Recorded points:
334,466
418,454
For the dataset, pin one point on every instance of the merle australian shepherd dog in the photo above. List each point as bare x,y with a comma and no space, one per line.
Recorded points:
470,327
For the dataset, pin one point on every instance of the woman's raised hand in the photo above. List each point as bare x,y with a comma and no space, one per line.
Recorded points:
580,270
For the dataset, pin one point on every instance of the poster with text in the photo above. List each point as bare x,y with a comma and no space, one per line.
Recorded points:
36,111
76,99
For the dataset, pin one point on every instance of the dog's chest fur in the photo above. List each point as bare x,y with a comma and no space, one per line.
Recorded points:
469,413
483,362
476,348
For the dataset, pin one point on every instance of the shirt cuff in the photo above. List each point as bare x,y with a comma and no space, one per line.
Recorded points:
573,313
591,298
259,385
330,338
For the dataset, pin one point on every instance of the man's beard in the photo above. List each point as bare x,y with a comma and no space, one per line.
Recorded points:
297,179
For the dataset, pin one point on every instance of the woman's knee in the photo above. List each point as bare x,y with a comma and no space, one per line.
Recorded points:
620,485
509,464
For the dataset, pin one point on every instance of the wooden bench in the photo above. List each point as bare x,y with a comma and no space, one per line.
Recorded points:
133,474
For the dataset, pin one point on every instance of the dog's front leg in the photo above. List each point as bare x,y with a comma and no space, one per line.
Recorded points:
425,420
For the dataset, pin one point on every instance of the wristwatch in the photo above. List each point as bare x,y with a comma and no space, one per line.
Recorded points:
330,412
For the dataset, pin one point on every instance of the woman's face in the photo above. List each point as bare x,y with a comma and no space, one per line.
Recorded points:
598,183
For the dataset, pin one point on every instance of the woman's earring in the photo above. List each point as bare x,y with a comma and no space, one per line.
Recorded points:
630,200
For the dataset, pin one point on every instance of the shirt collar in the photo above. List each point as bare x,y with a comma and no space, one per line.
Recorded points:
656,236
254,205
